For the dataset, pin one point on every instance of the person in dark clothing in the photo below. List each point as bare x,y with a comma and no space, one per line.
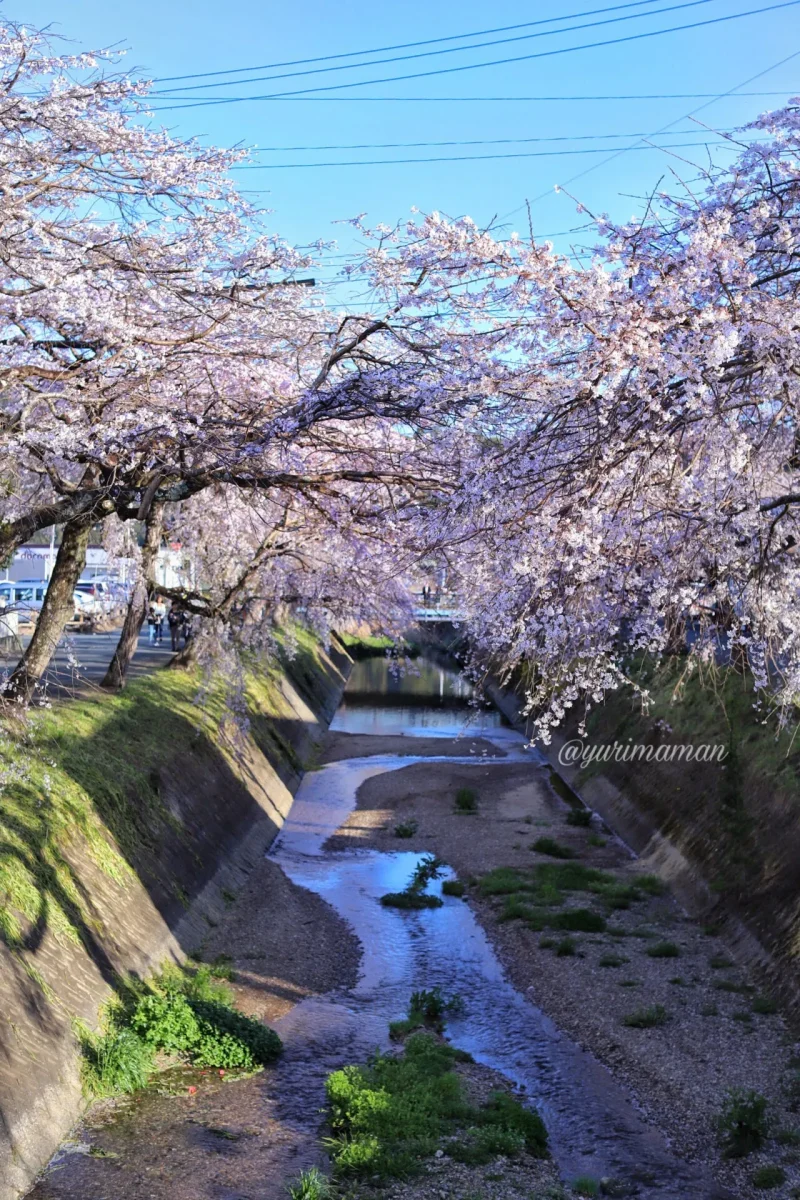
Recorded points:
175,620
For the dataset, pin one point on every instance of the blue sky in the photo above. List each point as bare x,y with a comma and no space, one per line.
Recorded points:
177,37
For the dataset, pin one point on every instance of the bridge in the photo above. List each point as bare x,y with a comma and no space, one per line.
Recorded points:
437,608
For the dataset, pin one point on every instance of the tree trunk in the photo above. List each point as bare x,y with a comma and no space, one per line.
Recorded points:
57,609
114,677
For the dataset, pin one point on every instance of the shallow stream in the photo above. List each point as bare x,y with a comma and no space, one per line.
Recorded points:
593,1124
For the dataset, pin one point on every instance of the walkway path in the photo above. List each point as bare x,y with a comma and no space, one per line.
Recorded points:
81,661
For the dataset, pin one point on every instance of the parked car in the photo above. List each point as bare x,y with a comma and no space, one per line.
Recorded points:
98,592
24,596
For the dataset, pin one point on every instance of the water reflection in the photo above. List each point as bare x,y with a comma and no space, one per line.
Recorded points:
426,699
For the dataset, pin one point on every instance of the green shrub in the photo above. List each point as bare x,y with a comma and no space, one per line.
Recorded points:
548,845
612,960
453,887
166,1023
584,1185
579,920
594,839
466,800
201,1023
729,985
115,1062
405,829
646,1018
580,817
566,948
742,1122
387,1117
230,1039
410,900
311,1185
768,1177
663,950
764,1005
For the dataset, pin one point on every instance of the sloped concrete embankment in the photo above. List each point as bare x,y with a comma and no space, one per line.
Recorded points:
725,839
216,802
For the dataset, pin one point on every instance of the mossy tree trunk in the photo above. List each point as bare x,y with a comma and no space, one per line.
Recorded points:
57,609
114,677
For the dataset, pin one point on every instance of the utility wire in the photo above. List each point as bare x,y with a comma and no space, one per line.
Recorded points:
494,63
388,162
379,62
657,133
512,99
580,137
298,62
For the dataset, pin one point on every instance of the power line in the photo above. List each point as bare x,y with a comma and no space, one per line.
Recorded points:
494,63
297,62
387,162
664,128
512,99
581,137
379,62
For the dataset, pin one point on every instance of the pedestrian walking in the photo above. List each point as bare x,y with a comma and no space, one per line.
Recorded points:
175,619
151,624
159,610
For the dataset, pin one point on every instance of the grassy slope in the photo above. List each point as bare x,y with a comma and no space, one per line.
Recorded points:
87,767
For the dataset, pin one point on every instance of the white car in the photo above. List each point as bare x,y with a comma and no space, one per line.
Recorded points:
24,596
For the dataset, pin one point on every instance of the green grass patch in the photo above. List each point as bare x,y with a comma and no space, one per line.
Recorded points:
389,1116
548,845
454,887
646,1018
764,1005
612,960
768,1177
85,776
466,800
578,920
663,950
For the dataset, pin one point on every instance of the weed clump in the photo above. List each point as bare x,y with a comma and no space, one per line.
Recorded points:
548,845
311,1185
663,950
580,817
646,1018
768,1177
466,800
453,887
405,829
742,1122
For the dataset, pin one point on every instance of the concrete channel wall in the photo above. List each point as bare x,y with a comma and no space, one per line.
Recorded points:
219,814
